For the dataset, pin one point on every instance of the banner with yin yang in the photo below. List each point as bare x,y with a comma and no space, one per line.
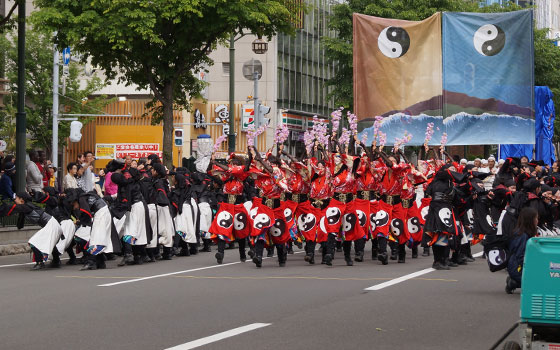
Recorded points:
488,77
470,74
397,73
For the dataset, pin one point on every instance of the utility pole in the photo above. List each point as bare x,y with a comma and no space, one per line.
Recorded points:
231,136
256,107
20,115
55,111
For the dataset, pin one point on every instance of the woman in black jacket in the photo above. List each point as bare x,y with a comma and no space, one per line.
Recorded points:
526,228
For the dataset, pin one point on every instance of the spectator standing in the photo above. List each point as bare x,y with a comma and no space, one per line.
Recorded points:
70,180
52,179
6,182
34,177
87,177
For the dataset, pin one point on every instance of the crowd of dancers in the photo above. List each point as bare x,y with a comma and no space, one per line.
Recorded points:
329,201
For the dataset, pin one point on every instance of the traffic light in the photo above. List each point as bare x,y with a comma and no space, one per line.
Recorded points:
76,131
178,137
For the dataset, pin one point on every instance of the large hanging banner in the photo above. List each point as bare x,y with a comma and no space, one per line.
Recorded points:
488,77
398,75
483,96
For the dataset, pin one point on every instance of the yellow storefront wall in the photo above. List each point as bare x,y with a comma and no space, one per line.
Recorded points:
106,134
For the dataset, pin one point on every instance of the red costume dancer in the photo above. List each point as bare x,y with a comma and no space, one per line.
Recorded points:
232,219
311,213
269,219
343,186
412,225
298,187
391,216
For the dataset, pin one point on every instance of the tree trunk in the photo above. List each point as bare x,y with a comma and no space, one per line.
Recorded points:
168,125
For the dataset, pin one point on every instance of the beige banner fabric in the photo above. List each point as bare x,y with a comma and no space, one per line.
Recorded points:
397,66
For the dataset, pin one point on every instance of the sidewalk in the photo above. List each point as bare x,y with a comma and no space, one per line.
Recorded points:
14,241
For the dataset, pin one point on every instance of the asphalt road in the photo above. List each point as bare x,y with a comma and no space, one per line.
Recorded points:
295,307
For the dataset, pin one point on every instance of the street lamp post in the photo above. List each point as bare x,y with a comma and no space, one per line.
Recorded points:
260,47
20,115
231,136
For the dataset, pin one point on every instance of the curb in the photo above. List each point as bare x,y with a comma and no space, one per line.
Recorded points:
13,249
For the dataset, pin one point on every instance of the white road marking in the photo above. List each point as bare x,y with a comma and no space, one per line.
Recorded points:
166,274
31,263
400,279
175,273
478,255
220,336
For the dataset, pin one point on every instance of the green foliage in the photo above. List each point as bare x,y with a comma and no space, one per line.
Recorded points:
159,44
39,91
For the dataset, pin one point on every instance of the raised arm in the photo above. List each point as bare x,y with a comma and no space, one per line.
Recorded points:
266,167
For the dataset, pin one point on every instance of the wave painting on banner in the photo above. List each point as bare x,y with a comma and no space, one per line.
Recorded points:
488,78
398,75
483,96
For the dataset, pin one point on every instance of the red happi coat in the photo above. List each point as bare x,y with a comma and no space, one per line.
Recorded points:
398,224
262,217
354,224
280,231
414,223
308,220
382,218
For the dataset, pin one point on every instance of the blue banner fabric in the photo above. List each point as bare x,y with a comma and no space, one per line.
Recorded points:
488,78
544,124
516,151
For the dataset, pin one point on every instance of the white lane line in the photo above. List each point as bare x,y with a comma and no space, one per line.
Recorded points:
166,274
478,255
23,264
400,279
220,336
175,273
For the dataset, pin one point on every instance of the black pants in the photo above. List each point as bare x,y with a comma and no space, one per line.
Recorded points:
382,244
127,249
310,248
359,246
241,244
259,248
282,252
439,253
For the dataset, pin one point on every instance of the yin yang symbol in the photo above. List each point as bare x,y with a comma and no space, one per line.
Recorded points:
413,225
306,222
278,228
288,214
397,226
362,218
393,42
382,218
224,219
239,221
445,217
372,221
333,215
261,221
424,212
497,257
349,222
489,40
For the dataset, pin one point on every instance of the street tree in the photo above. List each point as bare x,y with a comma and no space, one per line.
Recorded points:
160,44
39,91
